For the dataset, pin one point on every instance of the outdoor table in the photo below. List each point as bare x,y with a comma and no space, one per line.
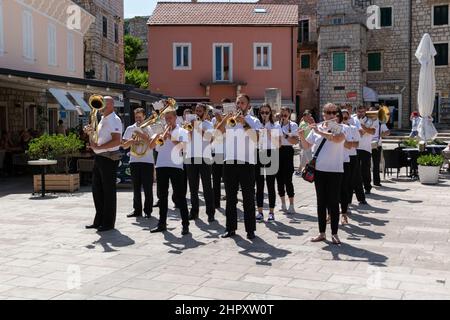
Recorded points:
43,164
435,148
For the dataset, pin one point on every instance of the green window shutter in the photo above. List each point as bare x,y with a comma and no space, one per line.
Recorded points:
305,61
441,58
339,61
374,61
386,17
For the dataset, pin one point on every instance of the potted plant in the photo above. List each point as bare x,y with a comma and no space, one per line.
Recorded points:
56,147
429,167
409,143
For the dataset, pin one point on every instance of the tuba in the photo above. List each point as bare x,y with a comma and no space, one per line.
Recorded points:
140,148
97,103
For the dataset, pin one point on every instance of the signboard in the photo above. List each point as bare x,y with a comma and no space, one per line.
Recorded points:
352,95
273,98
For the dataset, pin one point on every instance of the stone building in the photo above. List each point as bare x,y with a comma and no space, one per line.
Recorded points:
307,91
104,49
137,27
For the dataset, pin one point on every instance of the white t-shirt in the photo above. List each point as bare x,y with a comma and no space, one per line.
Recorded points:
266,143
238,144
376,137
107,126
197,146
289,129
365,142
148,157
218,141
171,155
351,135
331,157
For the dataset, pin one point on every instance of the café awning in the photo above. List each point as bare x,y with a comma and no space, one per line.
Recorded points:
79,99
62,98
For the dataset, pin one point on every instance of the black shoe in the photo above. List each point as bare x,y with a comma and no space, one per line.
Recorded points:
378,184
156,205
363,203
134,215
104,229
211,219
159,229
185,231
229,234
193,217
148,216
367,191
92,227
251,236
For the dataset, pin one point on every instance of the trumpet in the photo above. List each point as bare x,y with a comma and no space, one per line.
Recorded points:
97,103
232,122
160,141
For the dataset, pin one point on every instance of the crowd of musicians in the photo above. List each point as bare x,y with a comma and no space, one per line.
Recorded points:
248,151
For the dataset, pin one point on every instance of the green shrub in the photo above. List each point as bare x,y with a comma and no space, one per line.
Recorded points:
431,160
439,142
409,143
53,146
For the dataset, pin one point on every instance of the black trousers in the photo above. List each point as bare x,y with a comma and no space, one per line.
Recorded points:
376,159
142,176
357,185
104,191
365,159
346,188
328,193
285,172
195,172
176,177
243,175
217,174
262,173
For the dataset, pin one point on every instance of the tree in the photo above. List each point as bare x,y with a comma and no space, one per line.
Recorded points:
133,47
137,78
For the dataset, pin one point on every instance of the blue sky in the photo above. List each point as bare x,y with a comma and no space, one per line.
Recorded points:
145,7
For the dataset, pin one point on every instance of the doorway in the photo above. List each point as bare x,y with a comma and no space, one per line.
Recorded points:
394,103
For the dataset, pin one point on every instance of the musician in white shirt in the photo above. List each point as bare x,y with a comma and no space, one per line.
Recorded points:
218,155
142,166
199,162
285,173
268,162
329,168
239,167
381,131
106,162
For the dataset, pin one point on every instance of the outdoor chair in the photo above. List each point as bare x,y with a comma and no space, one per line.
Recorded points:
394,159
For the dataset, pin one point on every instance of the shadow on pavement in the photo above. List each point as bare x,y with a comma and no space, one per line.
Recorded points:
178,245
355,254
258,247
112,239
284,231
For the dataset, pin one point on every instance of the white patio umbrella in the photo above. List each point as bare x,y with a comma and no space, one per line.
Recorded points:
427,87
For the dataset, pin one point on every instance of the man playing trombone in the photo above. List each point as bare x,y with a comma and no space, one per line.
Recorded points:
141,165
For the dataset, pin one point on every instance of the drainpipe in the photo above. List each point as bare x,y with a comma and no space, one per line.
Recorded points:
410,56
293,71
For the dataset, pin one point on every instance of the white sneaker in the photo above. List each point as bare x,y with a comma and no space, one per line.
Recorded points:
260,217
271,217
291,209
283,207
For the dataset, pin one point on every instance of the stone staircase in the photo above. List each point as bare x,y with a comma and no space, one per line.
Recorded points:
398,135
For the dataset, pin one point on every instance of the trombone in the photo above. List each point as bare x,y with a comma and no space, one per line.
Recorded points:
97,104
232,122
161,140
188,125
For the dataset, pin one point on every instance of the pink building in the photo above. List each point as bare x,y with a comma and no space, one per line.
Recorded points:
211,51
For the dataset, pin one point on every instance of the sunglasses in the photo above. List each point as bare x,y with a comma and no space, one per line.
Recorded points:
264,113
331,113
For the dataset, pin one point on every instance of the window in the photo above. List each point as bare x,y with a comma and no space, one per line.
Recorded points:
51,45
339,62
374,59
182,56
303,31
440,15
27,30
386,17
2,41
105,27
223,60
305,61
70,52
116,33
441,59
337,20
105,72
262,56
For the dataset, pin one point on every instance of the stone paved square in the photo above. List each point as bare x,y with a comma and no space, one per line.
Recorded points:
396,248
